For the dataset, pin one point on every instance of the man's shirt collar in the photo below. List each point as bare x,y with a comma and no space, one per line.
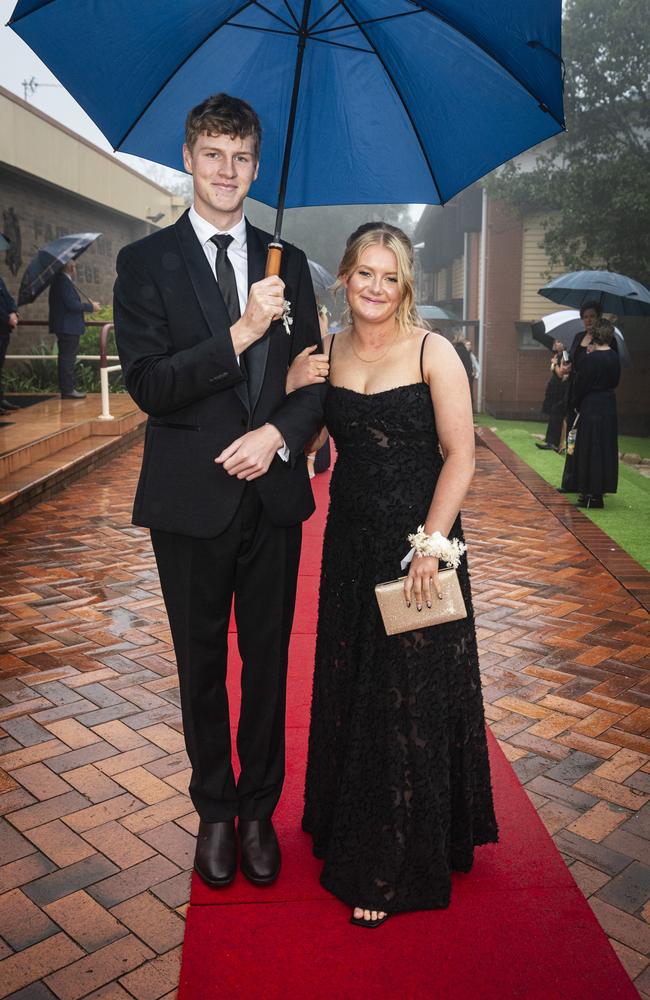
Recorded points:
205,230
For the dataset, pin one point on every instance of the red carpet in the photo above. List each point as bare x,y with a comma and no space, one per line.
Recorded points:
518,926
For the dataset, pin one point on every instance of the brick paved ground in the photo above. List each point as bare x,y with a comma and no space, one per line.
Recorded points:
96,830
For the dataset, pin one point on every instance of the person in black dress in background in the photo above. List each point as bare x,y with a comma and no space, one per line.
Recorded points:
555,400
594,469
398,789
590,313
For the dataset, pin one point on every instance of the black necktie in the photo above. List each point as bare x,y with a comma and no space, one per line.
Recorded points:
226,276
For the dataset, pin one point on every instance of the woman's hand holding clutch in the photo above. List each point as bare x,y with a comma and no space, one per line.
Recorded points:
307,368
422,584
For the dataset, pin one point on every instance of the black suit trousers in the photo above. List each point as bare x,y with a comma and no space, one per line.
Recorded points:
256,562
68,345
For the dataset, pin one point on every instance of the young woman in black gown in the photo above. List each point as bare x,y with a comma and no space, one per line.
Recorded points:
594,469
398,787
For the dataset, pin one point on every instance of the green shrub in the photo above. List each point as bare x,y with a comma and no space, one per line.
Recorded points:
40,376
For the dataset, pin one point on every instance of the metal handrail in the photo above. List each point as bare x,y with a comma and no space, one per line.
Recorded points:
104,368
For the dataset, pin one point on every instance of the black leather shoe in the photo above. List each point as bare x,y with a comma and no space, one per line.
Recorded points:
75,394
216,853
6,404
260,851
590,503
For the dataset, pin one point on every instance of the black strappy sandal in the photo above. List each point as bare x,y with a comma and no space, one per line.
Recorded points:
360,922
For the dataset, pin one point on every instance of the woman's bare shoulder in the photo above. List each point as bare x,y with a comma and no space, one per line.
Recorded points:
436,345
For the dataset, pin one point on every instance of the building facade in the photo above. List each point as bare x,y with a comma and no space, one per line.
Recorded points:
53,182
485,262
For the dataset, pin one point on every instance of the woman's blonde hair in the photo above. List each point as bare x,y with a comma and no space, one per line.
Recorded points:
383,234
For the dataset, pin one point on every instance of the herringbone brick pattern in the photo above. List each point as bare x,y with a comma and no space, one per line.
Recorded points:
96,830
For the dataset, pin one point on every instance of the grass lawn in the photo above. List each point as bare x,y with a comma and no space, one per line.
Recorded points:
626,516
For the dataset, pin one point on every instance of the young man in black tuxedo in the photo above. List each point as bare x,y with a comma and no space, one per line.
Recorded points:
224,485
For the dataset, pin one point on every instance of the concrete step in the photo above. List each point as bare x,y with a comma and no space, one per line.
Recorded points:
48,445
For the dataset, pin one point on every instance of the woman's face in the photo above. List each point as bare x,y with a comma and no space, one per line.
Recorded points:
589,317
372,286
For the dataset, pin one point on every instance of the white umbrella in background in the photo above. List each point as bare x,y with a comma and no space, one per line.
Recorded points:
564,324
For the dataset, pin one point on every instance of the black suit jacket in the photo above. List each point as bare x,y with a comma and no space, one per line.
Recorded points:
66,307
173,338
7,306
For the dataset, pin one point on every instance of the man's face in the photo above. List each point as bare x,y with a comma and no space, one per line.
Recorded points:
223,170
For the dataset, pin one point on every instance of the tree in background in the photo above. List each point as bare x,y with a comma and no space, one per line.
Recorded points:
595,178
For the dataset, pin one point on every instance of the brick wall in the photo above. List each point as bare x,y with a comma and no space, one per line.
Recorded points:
502,297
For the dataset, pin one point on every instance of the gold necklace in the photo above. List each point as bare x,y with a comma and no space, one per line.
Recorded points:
374,360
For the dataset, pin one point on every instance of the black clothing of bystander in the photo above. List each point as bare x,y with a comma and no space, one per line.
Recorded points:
594,469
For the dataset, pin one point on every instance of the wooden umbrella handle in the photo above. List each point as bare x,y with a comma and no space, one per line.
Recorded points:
273,259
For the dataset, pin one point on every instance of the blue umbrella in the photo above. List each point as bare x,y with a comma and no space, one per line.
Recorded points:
41,269
616,293
383,100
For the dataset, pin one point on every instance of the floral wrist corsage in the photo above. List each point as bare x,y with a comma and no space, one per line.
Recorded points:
448,550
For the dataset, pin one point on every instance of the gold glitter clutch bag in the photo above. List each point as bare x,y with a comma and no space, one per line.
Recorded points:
398,617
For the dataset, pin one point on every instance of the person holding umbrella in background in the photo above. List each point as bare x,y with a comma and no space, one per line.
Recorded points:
66,322
8,323
590,314
592,470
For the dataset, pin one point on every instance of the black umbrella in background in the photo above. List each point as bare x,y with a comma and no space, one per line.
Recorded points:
48,261
616,293
4,243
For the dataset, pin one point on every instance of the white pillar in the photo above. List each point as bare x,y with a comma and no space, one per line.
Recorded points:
103,380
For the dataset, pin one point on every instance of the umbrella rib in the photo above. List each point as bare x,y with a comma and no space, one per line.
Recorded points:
293,16
343,45
370,20
292,34
15,20
162,86
264,31
323,17
399,94
492,57
271,13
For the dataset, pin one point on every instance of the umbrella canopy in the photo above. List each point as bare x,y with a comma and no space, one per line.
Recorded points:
615,292
397,101
4,243
321,278
435,312
50,259
564,324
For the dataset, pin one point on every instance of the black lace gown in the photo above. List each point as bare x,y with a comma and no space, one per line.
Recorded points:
398,784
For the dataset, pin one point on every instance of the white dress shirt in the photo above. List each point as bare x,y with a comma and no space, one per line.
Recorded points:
238,255
237,251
